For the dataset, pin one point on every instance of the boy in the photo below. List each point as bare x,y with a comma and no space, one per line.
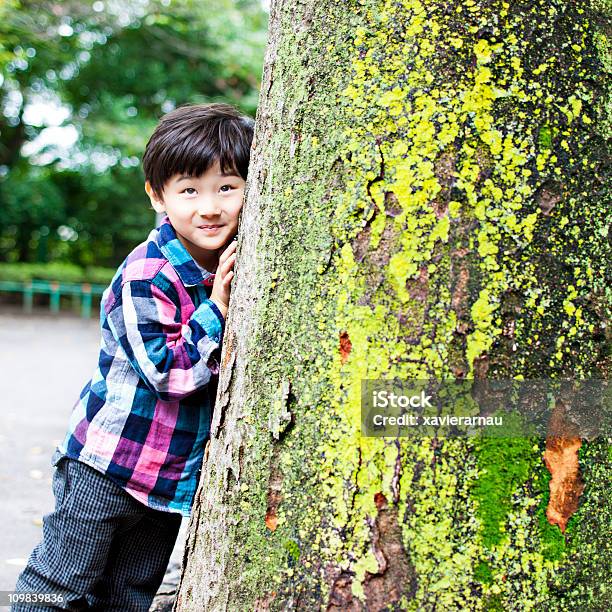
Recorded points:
129,465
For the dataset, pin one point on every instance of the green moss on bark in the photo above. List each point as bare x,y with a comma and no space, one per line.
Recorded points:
504,464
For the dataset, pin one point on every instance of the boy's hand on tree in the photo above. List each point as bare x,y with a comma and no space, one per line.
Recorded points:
220,294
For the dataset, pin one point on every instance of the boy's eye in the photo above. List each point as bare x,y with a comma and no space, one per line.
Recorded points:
189,190
222,188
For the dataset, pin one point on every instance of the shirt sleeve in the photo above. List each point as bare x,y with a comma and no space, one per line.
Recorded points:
173,359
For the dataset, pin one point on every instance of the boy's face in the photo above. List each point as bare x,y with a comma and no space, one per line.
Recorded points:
203,210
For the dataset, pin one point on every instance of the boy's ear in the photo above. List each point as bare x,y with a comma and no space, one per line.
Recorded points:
157,203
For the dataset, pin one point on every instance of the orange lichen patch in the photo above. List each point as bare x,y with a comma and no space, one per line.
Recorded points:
274,494
271,520
561,459
345,346
229,350
380,500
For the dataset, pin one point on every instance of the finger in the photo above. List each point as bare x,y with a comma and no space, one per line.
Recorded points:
228,278
223,258
228,263
229,250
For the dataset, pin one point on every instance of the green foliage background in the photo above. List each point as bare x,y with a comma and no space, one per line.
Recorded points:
116,67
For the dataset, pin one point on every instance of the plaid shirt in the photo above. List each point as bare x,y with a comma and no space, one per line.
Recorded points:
144,417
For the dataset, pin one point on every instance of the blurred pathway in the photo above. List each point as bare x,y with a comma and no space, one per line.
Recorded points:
44,363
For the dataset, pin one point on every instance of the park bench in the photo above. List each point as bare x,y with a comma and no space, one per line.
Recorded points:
82,293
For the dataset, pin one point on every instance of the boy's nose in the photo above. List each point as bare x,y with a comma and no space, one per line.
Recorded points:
208,207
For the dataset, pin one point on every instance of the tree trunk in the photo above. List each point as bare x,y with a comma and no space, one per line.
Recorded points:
426,199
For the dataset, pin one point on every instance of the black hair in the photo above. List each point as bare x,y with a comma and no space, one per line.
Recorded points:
191,138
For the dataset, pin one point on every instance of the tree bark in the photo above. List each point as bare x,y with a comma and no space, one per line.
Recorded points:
426,198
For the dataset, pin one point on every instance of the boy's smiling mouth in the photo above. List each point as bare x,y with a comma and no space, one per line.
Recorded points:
210,229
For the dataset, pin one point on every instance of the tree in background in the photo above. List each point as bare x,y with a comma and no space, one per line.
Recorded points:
427,200
105,71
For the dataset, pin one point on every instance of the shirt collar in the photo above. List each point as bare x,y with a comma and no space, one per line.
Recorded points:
189,271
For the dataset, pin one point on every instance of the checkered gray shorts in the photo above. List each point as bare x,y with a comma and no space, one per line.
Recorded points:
101,548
